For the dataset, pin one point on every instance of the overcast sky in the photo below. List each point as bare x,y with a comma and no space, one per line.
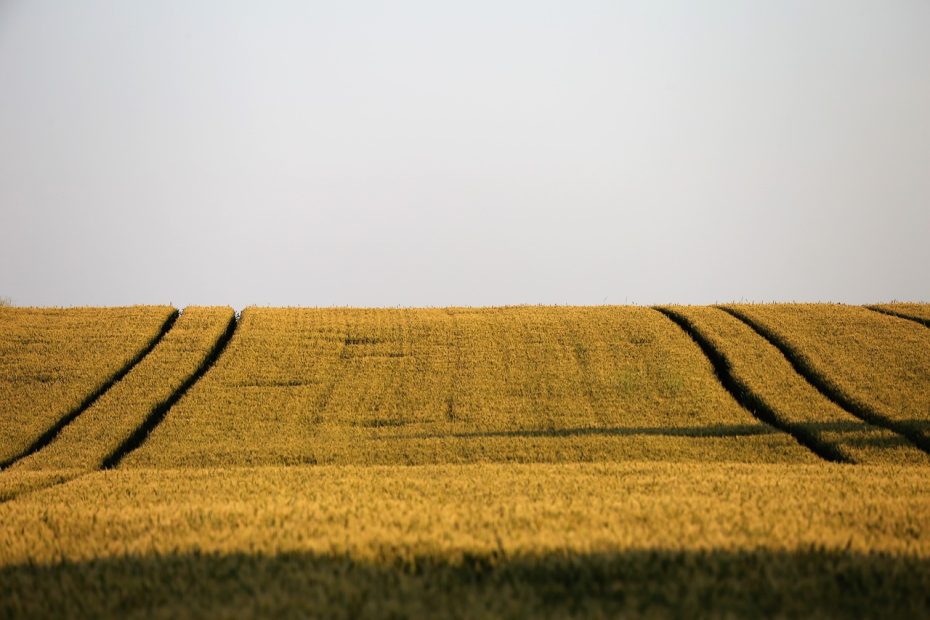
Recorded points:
463,153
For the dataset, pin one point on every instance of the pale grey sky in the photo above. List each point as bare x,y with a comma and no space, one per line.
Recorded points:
467,153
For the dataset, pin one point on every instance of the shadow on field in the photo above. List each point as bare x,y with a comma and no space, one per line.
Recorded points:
708,430
671,583
712,430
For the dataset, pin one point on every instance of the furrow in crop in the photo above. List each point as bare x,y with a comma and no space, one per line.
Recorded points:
899,315
158,413
827,388
749,399
46,438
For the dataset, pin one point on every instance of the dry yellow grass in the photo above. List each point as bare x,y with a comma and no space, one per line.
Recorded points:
111,420
475,540
52,359
879,364
763,370
459,385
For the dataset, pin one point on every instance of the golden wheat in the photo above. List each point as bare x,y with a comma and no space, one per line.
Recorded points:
97,432
182,538
770,376
877,362
459,385
52,359
473,507
917,312
16,483
370,391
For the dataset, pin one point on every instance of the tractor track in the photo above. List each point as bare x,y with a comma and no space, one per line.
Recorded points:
49,435
748,399
899,315
830,391
160,410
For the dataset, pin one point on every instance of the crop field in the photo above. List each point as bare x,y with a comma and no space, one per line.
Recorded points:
919,313
677,461
795,405
459,385
52,362
876,366
99,432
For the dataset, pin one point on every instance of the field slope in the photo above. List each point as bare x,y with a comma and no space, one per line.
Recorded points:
55,362
522,384
875,365
465,462
767,375
101,430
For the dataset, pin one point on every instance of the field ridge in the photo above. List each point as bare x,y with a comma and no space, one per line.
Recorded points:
748,399
827,387
49,435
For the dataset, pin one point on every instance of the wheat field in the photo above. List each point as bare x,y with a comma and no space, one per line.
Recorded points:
801,408
459,385
873,364
52,361
525,461
919,313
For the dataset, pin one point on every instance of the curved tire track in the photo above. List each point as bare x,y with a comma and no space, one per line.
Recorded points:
48,436
159,411
830,391
899,315
748,399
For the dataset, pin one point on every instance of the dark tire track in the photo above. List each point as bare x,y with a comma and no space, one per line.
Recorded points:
899,315
751,401
48,436
159,411
830,391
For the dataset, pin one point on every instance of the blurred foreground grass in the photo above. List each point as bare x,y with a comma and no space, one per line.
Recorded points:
472,540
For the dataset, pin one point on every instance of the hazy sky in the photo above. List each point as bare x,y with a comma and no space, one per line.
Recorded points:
466,153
